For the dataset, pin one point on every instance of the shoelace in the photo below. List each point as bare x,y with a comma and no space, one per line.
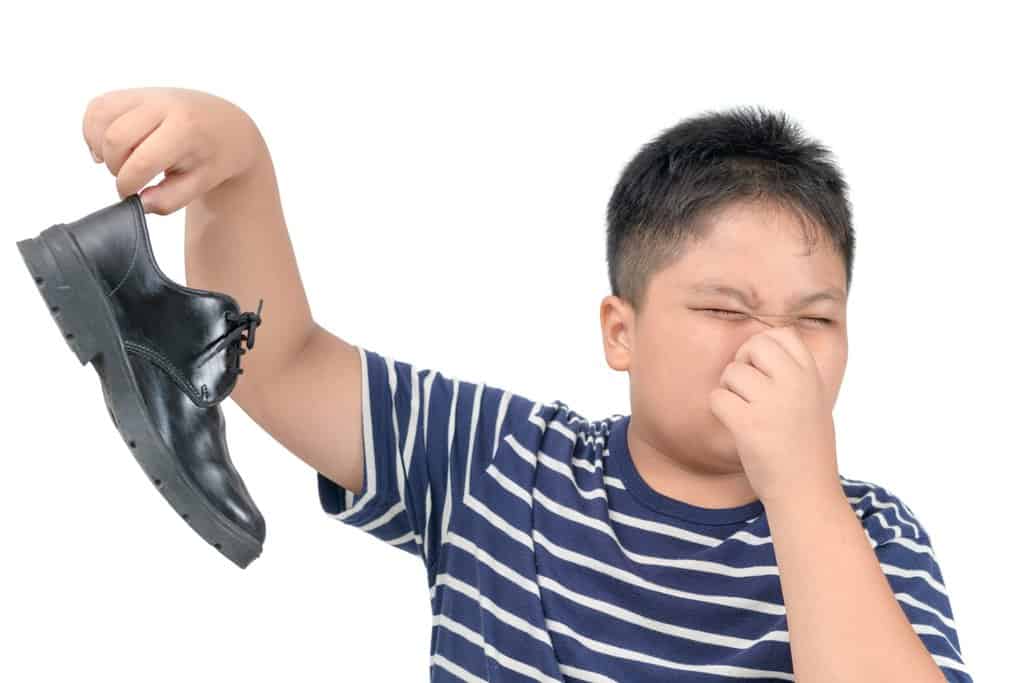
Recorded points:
245,323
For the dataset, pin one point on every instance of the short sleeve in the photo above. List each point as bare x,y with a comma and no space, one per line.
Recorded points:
910,564
424,434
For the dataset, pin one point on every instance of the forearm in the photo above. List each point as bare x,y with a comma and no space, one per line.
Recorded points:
844,621
236,242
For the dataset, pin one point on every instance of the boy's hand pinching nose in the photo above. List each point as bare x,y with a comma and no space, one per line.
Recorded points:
197,140
773,400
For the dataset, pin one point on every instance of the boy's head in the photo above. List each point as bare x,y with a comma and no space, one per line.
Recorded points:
737,199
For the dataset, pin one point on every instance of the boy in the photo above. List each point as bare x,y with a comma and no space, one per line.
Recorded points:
708,536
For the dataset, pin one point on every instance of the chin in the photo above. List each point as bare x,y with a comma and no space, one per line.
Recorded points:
723,443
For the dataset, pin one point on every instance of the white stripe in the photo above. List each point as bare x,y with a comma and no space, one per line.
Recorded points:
932,631
403,451
454,669
569,514
949,663
509,485
531,672
446,513
632,579
911,600
669,629
916,547
623,653
871,493
512,621
370,461
912,573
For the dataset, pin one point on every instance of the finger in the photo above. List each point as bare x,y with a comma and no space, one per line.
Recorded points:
744,380
788,339
127,132
726,406
102,110
764,354
155,154
172,193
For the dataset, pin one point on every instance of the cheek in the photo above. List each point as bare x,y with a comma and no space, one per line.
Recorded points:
681,361
831,361
691,358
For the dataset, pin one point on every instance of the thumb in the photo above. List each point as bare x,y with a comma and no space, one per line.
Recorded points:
172,193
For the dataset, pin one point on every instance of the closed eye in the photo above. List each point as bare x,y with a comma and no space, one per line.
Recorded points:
819,321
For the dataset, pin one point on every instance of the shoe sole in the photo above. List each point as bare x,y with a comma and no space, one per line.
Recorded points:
78,304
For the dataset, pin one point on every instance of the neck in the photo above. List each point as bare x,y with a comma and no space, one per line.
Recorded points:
706,481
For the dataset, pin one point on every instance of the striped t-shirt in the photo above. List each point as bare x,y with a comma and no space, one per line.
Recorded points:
548,557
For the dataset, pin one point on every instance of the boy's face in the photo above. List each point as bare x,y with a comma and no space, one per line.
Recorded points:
675,352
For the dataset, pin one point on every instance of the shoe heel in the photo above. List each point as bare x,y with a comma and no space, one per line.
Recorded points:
64,281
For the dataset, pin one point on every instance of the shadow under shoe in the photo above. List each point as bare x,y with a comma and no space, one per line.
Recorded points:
166,356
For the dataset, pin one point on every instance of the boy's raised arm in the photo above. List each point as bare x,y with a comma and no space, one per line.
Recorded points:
302,384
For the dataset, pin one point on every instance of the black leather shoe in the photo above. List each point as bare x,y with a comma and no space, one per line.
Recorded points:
166,356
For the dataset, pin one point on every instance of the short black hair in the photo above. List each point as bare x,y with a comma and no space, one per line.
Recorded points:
670,191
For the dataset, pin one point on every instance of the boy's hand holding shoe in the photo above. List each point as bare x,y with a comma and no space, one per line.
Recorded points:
196,139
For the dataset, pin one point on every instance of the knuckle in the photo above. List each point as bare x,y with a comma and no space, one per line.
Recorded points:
189,119
138,160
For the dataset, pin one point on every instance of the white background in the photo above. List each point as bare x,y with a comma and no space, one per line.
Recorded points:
444,170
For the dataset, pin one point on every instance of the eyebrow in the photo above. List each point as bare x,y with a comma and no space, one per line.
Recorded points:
799,301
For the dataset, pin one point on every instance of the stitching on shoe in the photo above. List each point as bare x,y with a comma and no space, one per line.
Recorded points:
167,366
134,254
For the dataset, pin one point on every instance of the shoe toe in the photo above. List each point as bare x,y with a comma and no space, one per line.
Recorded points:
196,438
225,489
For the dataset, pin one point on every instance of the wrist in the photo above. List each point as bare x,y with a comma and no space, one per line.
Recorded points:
808,499
249,183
